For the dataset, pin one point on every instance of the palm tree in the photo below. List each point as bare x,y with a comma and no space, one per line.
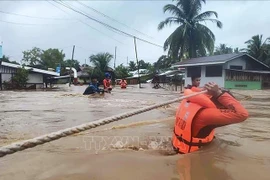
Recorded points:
101,62
132,66
223,49
190,36
164,62
258,48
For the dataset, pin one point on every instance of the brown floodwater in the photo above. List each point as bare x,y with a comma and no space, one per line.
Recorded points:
240,151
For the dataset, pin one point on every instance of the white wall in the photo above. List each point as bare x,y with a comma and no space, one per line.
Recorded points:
204,80
6,77
35,78
236,62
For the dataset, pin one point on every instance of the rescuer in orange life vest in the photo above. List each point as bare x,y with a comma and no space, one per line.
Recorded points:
123,83
198,116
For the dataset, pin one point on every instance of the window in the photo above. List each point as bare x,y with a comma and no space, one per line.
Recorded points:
236,67
194,71
213,71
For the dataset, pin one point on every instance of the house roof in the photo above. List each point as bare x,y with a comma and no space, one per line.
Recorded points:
211,60
30,68
169,72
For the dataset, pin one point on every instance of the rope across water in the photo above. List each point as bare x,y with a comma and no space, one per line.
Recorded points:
20,146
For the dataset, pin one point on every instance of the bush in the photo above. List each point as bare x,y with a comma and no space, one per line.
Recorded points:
18,81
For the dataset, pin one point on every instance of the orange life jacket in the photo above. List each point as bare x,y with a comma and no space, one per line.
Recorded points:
195,89
183,141
107,83
123,84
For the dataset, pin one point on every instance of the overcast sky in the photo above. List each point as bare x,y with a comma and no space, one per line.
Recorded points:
241,20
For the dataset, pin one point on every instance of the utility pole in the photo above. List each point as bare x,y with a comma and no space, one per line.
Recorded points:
137,62
114,56
72,57
127,60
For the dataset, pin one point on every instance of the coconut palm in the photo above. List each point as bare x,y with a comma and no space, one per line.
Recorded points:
258,48
132,66
223,49
190,36
101,62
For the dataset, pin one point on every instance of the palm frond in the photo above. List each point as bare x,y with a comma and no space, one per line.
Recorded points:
169,21
174,10
206,14
217,22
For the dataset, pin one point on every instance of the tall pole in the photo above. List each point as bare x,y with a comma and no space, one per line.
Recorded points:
114,56
127,61
137,62
72,57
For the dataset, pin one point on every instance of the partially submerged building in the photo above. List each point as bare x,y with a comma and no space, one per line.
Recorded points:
232,71
36,77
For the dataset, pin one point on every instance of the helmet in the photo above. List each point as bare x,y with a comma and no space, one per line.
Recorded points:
107,75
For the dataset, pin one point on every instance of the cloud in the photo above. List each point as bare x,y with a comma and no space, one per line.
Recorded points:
241,19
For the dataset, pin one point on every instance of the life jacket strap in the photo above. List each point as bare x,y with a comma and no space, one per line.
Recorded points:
199,144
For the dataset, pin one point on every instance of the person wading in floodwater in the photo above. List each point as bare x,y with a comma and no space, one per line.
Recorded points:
93,87
107,83
198,116
123,83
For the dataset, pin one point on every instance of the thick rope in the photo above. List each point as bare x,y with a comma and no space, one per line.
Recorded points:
20,146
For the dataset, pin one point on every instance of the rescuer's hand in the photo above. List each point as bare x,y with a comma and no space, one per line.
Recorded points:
213,89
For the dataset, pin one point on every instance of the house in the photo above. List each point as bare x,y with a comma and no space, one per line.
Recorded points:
232,71
36,77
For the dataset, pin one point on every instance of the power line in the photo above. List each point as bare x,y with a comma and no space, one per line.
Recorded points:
111,18
15,14
108,26
84,22
27,24
69,6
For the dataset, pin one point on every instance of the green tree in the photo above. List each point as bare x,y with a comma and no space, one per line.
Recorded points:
236,50
223,49
19,80
164,62
51,58
101,63
71,63
258,48
32,57
144,65
132,66
190,36
6,59
121,72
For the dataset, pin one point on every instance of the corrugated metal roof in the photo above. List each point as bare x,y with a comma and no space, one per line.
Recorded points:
30,68
211,60
217,59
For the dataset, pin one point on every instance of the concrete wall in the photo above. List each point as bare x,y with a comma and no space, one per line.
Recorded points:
35,78
236,62
6,77
204,80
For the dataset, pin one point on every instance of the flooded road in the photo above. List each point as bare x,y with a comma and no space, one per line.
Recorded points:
240,151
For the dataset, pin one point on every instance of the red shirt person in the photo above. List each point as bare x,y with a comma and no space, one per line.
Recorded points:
107,83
